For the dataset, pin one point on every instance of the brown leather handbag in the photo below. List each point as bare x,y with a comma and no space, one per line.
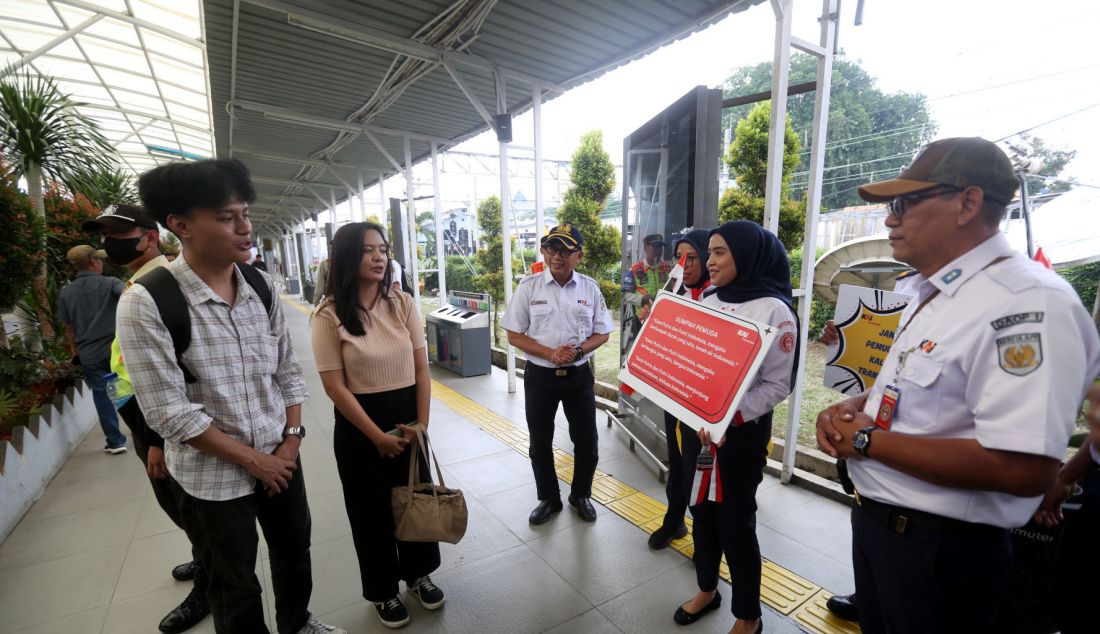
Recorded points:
426,512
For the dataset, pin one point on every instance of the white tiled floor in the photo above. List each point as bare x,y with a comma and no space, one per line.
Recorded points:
94,554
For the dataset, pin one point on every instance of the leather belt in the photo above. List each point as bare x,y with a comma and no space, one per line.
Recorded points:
900,519
563,371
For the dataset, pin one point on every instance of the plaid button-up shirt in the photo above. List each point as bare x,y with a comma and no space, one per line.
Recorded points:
247,377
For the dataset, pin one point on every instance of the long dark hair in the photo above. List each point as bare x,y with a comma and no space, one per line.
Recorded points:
342,286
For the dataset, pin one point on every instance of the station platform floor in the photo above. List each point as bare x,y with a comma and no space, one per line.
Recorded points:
94,553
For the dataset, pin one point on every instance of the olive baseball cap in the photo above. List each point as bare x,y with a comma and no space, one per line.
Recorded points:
82,253
957,162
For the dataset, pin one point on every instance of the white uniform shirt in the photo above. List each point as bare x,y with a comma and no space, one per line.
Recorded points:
772,383
555,315
1005,361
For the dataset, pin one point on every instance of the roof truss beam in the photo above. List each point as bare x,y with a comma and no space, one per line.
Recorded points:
42,50
125,17
284,114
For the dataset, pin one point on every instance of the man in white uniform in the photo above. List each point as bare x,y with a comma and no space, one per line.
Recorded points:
968,422
559,318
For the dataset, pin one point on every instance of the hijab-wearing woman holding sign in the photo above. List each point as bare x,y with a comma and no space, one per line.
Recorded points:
751,278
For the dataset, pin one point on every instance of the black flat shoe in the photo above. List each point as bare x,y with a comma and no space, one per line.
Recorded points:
584,507
543,511
187,614
185,572
844,606
663,536
683,617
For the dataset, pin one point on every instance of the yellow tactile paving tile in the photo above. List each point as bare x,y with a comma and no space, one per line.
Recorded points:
638,508
562,458
782,589
522,447
815,617
565,474
513,436
606,490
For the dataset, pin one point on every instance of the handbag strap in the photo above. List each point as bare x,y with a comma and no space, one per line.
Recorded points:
423,447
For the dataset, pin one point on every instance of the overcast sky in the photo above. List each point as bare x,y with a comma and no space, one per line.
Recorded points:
989,68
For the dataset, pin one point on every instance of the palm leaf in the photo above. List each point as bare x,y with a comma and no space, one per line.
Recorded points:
39,125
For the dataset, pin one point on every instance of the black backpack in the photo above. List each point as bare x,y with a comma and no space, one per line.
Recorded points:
166,293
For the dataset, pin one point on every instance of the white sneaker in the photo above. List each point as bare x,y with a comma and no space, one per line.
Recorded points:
314,626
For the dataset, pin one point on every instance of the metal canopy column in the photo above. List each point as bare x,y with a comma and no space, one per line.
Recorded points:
410,222
362,198
506,237
440,256
536,107
781,66
824,53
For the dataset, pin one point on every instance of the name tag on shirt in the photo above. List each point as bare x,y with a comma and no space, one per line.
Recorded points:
887,407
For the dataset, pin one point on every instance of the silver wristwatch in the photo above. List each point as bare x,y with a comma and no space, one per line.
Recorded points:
298,431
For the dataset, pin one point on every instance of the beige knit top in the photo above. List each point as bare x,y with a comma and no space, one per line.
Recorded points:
381,359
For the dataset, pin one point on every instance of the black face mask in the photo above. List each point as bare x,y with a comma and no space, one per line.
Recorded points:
122,251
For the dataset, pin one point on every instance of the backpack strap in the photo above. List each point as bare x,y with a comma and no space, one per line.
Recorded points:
172,306
258,284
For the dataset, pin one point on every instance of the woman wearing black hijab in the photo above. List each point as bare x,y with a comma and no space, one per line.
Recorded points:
692,249
750,277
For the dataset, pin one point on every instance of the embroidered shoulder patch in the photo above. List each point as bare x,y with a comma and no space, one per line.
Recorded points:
1018,318
1020,354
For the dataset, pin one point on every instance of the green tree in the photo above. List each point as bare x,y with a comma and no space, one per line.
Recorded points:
1054,161
593,179
20,244
44,135
490,258
747,158
871,134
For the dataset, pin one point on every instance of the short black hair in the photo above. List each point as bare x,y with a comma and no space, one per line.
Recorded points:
180,187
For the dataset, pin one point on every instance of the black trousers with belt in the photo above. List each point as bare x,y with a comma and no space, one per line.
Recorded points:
368,479
730,527
225,533
574,388
925,573
674,487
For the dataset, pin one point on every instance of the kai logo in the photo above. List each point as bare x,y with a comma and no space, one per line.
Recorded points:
951,276
1020,355
865,340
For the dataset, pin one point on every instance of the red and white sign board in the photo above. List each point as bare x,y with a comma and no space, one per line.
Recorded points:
695,362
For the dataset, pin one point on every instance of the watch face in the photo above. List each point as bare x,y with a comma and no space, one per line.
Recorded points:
859,442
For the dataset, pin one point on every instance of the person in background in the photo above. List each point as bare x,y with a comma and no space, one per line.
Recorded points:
559,319
232,433
321,290
750,277
87,308
131,240
651,272
369,344
693,249
259,262
965,427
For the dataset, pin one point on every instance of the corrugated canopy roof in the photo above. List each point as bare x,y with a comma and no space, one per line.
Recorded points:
320,91
137,65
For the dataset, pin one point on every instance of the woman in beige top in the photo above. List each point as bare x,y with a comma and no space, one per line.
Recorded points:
369,344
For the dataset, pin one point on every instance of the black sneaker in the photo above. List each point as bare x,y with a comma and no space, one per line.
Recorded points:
431,597
392,613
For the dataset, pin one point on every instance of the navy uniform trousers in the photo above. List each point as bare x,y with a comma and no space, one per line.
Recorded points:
574,388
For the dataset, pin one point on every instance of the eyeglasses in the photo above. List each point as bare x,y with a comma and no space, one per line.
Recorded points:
900,205
690,259
369,249
554,252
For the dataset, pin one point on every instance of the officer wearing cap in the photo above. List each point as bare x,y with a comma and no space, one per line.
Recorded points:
131,239
651,272
87,308
559,318
965,427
